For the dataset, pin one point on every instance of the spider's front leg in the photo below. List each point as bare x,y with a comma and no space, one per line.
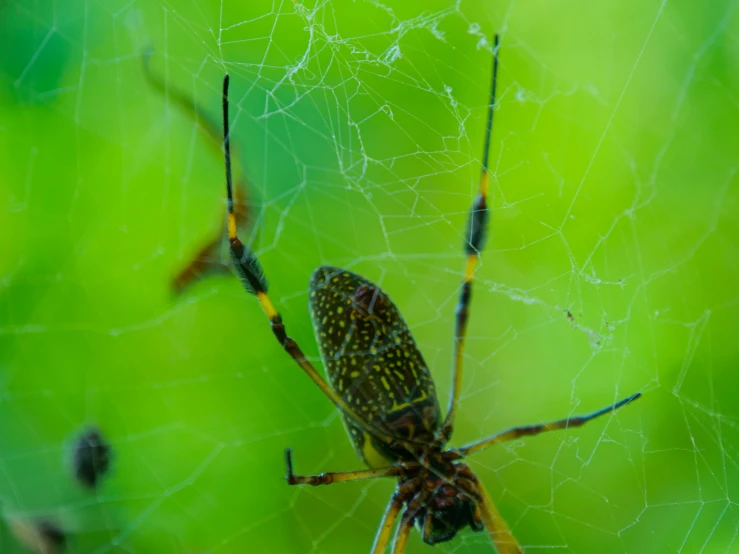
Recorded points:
404,492
477,228
337,477
209,259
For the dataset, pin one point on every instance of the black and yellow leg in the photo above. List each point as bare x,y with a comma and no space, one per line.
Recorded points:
338,477
529,430
208,259
475,241
252,278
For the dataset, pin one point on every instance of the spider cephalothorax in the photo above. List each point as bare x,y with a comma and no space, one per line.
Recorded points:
442,499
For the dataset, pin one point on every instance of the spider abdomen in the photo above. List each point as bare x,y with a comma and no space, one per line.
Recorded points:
372,361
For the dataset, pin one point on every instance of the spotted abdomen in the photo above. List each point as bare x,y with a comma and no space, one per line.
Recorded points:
372,361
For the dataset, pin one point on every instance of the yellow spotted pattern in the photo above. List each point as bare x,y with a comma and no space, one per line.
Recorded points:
372,361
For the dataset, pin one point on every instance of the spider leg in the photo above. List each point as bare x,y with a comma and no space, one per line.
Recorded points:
247,267
208,260
386,527
338,477
252,278
402,494
495,525
403,532
541,428
476,235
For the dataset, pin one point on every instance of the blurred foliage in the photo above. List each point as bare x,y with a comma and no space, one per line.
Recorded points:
359,127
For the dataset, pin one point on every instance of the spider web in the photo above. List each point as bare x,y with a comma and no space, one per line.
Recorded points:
611,266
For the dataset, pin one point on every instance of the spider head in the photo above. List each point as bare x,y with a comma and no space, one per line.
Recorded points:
445,513
440,506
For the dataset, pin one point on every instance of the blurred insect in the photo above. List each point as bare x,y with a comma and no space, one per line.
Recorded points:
384,390
91,459
209,259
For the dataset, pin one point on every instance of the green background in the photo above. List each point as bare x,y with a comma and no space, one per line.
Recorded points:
359,124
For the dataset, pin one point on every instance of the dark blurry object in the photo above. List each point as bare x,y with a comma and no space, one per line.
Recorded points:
41,537
91,458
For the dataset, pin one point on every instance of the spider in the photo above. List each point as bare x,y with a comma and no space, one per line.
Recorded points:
383,388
